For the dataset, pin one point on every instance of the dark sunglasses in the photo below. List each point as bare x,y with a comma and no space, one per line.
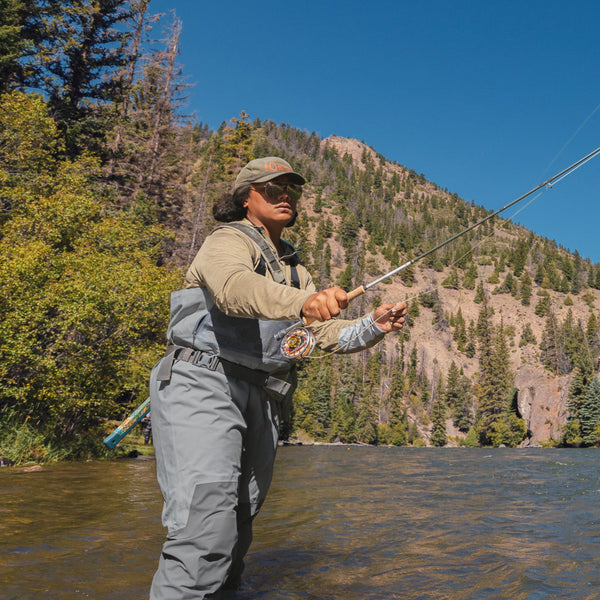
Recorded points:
275,190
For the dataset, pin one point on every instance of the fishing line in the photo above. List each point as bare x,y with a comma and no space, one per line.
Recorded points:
568,142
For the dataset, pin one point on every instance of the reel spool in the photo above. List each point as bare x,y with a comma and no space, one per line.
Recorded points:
297,343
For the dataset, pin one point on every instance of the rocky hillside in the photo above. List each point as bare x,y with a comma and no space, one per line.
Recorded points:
542,392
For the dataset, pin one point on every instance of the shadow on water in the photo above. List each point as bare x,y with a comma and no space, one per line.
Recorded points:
340,522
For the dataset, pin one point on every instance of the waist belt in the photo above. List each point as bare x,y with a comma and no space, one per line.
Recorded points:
212,362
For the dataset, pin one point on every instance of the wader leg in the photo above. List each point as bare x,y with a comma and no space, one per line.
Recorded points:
262,419
215,442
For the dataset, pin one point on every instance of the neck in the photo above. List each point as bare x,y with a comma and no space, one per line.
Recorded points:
273,230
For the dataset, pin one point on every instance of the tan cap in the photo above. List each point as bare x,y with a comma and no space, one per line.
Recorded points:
265,169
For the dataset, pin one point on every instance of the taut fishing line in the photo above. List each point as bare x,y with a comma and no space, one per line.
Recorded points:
583,124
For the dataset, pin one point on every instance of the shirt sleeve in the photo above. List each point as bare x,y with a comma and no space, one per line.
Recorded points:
225,265
343,336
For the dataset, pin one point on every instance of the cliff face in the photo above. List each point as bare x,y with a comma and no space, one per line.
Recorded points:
542,402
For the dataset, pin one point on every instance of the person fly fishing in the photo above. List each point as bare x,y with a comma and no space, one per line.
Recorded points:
217,394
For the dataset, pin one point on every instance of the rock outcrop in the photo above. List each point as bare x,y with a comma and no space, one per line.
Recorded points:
542,402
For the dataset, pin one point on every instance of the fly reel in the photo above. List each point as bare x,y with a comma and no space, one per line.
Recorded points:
298,342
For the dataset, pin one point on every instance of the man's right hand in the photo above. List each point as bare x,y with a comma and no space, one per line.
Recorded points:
324,305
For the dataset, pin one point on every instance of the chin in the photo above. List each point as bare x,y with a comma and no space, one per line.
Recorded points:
292,220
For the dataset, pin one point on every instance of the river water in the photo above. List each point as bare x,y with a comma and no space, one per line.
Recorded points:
347,523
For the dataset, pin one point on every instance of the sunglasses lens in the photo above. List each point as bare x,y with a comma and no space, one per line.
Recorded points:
274,190
294,191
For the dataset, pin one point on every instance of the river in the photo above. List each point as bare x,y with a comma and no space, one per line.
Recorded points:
347,523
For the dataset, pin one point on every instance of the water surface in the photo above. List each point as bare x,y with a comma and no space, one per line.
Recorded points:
351,523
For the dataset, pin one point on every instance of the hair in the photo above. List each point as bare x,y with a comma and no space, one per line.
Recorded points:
231,206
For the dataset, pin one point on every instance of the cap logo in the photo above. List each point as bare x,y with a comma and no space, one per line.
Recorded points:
273,166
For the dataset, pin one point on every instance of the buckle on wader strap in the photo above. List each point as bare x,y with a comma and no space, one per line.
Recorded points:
280,387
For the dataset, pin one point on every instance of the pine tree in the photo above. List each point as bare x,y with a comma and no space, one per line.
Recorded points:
518,256
237,142
479,294
484,333
575,342
76,63
542,308
366,422
527,337
438,419
552,347
589,414
452,281
12,44
321,394
495,378
470,277
397,419
138,23
344,417
156,146
462,417
525,290
452,395
592,334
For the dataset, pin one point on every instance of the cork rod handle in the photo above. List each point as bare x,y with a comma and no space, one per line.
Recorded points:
359,291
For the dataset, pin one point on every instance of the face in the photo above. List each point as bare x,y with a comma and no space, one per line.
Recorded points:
270,212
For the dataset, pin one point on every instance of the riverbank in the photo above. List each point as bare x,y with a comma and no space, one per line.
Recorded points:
22,447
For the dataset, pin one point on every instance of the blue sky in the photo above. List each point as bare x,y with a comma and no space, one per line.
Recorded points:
487,99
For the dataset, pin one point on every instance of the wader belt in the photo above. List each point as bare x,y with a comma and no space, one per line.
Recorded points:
280,387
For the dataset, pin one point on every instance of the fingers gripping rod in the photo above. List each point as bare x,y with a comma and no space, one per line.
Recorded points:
361,289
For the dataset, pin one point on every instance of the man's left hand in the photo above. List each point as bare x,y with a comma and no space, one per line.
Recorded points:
390,317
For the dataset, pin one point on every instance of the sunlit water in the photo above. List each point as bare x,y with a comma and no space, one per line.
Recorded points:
348,523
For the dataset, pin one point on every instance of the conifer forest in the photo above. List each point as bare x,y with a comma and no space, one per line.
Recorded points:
106,192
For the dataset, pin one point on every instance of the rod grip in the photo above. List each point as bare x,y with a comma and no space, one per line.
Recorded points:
359,291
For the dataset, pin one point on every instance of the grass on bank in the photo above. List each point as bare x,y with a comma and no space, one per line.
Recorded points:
23,445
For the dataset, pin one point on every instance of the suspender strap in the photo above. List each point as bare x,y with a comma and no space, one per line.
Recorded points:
280,387
269,256
295,277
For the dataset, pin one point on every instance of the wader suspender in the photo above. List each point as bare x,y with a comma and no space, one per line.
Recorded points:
268,255
200,358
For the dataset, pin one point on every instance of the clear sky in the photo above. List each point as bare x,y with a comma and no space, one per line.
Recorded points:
487,99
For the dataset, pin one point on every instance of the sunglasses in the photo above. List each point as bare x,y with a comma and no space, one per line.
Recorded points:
275,190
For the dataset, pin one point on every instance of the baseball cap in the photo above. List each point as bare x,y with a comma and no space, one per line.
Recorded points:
264,169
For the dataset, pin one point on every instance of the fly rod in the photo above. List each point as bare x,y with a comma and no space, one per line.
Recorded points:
361,289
